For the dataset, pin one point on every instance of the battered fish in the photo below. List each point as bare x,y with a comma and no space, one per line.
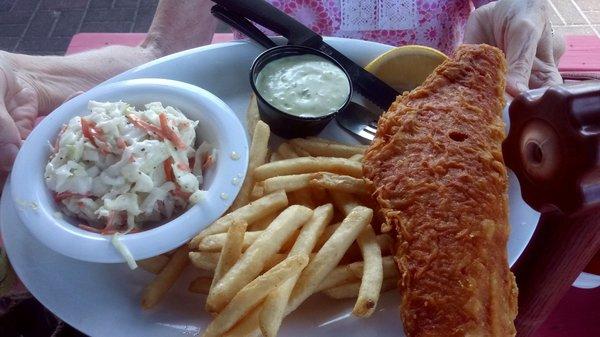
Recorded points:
437,165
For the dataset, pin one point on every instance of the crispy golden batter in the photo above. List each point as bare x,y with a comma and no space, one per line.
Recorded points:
437,165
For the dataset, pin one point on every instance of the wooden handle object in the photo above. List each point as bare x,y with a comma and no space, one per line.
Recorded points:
559,250
553,147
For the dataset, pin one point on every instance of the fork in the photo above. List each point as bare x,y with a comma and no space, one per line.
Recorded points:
359,120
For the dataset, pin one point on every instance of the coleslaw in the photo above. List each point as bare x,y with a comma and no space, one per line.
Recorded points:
123,170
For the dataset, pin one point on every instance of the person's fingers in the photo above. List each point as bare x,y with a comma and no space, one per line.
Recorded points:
522,39
544,71
558,46
10,139
544,74
478,29
23,107
545,50
474,30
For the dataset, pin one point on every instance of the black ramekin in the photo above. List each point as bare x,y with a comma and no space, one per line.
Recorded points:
282,123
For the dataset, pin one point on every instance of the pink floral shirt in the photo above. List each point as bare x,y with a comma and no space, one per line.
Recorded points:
435,23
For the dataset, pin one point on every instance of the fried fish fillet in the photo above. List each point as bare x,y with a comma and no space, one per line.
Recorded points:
437,166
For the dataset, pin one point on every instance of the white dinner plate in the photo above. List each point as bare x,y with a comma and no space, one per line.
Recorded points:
104,299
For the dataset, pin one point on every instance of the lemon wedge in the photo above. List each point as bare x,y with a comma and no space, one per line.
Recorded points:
405,68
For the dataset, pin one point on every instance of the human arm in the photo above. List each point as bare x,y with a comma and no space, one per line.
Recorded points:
32,86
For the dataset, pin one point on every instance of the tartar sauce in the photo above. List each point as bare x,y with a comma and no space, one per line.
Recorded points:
303,85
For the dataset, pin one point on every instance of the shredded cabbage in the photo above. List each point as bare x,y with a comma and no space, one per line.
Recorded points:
123,250
120,168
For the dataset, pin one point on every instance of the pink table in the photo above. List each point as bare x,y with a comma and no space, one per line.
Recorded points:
578,313
582,54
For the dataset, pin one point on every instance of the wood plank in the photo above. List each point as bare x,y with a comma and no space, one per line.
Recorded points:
582,54
87,41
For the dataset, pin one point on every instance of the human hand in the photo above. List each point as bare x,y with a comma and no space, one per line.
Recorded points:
18,111
521,28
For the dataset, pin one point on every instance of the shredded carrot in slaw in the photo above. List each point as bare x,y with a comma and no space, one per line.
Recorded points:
95,135
89,228
163,132
64,195
167,166
149,127
169,133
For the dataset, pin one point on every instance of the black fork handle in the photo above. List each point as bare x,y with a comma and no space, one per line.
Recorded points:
240,23
268,16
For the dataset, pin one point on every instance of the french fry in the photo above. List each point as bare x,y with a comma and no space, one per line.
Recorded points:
258,156
308,165
342,274
289,243
322,140
384,241
263,222
251,294
208,261
273,260
252,115
204,260
312,230
300,151
258,191
286,151
154,264
215,242
343,201
343,291
287,183
231,250
327,232
249,213
329,255
273,309
316,148
357,157
341,183
372,277
275,157
390,270
156,290
247,326
200,285
350,273
350,290
254,259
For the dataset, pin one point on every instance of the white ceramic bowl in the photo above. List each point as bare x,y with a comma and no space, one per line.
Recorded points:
218,125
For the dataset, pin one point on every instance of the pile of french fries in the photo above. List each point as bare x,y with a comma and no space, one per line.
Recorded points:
301,225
